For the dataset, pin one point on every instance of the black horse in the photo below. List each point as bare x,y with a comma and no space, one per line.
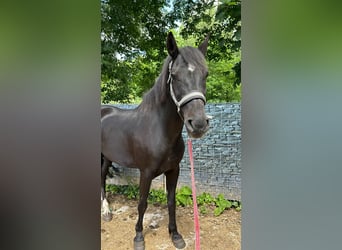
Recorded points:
149,137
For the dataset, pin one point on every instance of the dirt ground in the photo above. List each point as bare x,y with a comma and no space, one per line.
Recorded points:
216,233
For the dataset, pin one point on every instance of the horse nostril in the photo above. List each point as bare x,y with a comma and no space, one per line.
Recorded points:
198,124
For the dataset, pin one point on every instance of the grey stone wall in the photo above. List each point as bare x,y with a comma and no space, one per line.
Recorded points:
217,156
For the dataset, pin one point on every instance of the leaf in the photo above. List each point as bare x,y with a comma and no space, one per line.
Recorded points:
220,197
235,204
224,204
218,211
185,190
183,200
221,12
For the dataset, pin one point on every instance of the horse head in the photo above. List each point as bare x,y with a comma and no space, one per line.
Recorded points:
187,84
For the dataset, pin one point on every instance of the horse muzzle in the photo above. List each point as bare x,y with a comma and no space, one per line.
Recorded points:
196,128
196,123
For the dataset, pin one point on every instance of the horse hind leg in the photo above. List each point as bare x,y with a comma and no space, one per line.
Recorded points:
171,183
105,210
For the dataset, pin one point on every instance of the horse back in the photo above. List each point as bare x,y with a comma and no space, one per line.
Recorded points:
108,109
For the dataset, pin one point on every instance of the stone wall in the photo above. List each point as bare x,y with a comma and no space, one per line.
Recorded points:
217,156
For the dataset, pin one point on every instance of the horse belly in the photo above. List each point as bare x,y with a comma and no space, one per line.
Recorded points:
117,150
140,145
114,144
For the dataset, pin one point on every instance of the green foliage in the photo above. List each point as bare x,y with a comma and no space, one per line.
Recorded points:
222,22
133,37
130,31
130,191
184,196
236,205
112,188
157,196
220,82
205,201
221,205
205,198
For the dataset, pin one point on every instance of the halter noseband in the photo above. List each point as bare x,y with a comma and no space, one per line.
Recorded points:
185,99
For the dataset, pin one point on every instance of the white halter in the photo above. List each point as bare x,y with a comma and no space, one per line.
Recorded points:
185,99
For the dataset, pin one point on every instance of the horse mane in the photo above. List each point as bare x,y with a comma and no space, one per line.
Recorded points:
159,93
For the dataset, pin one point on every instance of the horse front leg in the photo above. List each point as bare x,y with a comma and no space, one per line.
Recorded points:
106,213
145,184
171,183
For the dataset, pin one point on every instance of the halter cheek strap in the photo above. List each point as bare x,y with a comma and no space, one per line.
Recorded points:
185,99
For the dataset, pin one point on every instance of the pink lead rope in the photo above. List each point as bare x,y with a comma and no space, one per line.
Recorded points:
193,186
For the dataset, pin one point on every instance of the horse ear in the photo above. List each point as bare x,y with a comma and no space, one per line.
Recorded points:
203,46
171,45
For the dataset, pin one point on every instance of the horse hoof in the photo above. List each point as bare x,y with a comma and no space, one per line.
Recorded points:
107,217
178,242
139,245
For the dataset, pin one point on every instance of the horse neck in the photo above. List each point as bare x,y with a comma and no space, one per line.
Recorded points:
166,112
164,107
171,118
